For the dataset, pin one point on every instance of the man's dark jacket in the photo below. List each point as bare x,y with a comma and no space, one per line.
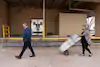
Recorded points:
27,34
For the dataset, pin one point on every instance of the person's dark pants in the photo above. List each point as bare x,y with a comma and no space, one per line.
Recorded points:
85,46
27,44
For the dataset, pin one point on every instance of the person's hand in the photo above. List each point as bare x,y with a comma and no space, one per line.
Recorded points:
79,35
68,35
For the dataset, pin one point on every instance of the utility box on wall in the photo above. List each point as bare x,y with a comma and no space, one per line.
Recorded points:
71,23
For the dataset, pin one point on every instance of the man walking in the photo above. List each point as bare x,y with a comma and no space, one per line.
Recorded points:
27,41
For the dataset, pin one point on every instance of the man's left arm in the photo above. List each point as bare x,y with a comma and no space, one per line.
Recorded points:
28,33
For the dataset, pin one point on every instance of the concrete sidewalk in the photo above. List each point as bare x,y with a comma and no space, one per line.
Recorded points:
49,57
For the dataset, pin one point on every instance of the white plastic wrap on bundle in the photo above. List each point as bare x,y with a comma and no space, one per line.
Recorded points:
70,42
75,38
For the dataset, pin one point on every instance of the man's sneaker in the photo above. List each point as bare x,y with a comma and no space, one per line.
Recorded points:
18,57
32,56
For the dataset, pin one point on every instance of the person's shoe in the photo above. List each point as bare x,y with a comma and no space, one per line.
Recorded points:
18,57
82,54
90,55
32,56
